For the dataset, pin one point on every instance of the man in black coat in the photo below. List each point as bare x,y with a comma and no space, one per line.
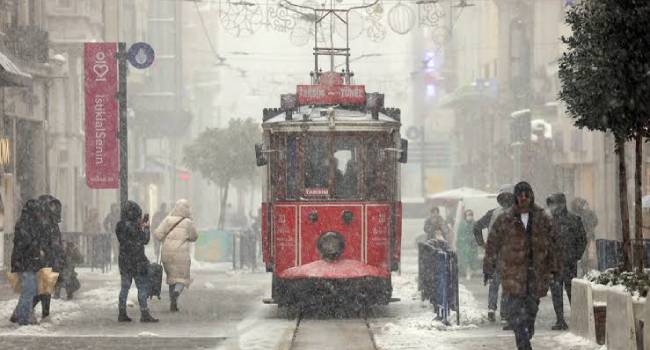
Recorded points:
27,257
573,240
133,234
54,252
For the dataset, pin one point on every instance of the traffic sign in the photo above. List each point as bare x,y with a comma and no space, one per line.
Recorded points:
141,55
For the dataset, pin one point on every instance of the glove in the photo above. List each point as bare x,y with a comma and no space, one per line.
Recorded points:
486,278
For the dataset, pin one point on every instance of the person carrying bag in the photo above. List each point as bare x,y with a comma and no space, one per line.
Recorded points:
27,258
176,232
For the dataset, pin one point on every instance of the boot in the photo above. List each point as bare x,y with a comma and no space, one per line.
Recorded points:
146,317
173,306
491,316
560,325
122,316
45,305
173,297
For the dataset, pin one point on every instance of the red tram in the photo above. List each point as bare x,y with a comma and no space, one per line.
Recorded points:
331,211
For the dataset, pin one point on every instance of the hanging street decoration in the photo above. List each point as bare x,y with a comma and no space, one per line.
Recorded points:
243,18
401,18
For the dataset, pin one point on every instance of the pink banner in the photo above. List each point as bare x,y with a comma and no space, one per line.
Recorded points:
102,149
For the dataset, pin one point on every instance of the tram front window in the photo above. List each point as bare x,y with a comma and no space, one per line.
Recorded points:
346,156
316,163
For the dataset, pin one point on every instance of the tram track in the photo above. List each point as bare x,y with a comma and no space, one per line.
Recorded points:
332,333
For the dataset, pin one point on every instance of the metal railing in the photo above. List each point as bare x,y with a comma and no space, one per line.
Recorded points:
438,278
96,248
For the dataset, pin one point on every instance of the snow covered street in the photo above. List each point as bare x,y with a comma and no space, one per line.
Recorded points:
223,310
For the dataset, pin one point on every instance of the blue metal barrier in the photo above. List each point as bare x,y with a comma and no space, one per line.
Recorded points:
438,278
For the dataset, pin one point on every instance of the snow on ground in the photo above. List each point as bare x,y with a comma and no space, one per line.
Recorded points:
570,340
414,325
62,310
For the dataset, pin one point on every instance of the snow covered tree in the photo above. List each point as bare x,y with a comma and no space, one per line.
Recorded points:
605,75
223,155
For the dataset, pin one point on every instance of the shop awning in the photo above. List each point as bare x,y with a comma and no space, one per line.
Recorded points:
11,75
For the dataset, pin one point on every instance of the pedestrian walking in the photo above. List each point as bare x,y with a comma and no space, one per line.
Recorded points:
523,243
466,246
435,222
572,244
109,225
54,252
156,220
580,207
27,257
176,232
133,234
505,199
68,279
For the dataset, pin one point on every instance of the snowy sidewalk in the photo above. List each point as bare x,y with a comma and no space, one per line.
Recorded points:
409,323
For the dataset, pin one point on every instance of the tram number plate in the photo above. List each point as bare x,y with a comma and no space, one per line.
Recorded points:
317,191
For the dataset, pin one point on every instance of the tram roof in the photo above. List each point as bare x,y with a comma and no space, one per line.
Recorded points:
344,119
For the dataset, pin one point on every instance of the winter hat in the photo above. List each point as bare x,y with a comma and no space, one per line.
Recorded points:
524,187
556,198
503,194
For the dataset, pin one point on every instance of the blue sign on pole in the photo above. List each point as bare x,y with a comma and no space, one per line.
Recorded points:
141,55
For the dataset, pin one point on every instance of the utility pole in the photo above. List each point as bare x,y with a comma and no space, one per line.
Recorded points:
123,130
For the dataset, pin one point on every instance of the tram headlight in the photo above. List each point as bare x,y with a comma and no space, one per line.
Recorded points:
331,245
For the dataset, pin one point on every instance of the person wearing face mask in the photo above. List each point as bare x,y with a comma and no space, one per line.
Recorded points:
467,247
523,244
572,243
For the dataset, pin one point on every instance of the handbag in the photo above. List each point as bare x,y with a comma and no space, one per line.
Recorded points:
14,280
46,279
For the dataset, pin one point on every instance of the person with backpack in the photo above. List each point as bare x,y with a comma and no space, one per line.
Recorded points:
176,232
133,234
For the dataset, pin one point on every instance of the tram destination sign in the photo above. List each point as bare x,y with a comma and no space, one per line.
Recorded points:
331,94
331,90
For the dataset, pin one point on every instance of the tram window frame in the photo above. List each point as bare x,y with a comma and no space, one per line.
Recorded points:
353,143
289,166
381,175
312,168
278,173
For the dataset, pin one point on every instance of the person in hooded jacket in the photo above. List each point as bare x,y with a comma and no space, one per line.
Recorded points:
55,253
27,257
580,207
176,232
523,242
505,199
573,241
133,234
435,222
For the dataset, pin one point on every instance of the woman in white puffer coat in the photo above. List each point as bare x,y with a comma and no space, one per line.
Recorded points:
176,232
